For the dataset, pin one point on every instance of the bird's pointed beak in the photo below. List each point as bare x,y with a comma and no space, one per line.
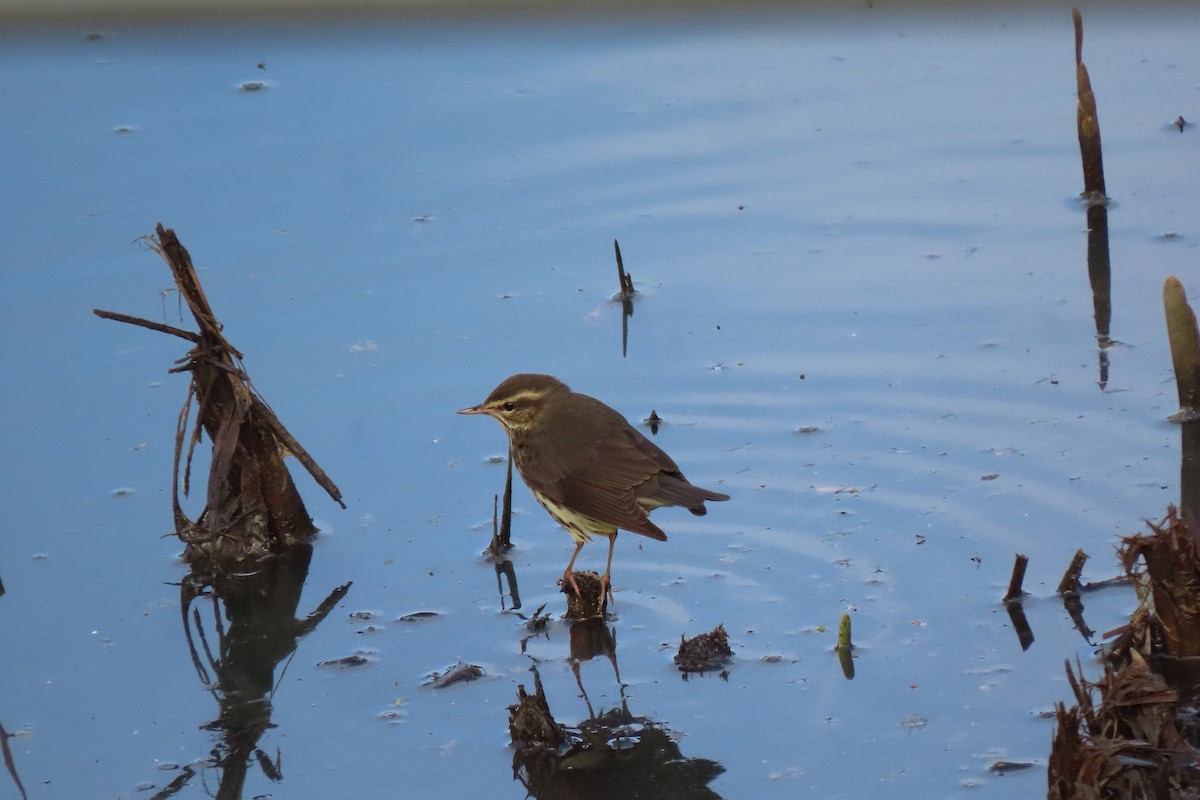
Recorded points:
479,409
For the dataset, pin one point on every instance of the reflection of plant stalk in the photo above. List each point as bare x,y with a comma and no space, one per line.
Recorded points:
9,763
1100,277
238,668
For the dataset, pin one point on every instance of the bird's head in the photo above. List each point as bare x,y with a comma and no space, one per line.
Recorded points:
519,402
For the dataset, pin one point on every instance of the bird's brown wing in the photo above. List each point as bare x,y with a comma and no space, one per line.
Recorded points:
600,466
603,486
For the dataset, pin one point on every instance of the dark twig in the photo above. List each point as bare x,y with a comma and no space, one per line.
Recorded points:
1070,578
625,279
145,323
9,763
1087,122
625,296
1018,578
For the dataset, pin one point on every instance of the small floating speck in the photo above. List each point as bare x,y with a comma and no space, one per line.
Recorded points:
1180,124
122,491
495,459
990,476
418,616
364,347
124,130
1169,236
805,429
252,86
93,36
393,716
363,615
166,766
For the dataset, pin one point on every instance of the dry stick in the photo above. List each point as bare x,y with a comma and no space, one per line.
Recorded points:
1018,578
502,518
9,763
506,509
168,246
1070,578
624,278
1087,121
626,297
145,323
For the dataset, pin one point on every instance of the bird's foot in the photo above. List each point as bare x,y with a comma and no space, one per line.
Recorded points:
606,592
569,579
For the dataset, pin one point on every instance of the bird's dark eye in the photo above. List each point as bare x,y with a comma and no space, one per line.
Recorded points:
509,406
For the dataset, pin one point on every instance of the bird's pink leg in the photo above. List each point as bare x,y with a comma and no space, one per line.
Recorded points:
569,575
605,581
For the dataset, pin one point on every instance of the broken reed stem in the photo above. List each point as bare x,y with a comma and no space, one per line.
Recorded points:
1087,122
625,279
145,323
1185,342
506,509
1018,578
1077,18
1070,578
502,518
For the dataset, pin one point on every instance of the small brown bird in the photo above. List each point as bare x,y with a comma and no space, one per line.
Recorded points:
588,467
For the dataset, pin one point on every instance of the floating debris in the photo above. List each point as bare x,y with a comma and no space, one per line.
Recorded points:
706,652
418,616
539,620
346,662
462,672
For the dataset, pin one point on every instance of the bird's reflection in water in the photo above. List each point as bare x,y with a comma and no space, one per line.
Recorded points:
611,754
